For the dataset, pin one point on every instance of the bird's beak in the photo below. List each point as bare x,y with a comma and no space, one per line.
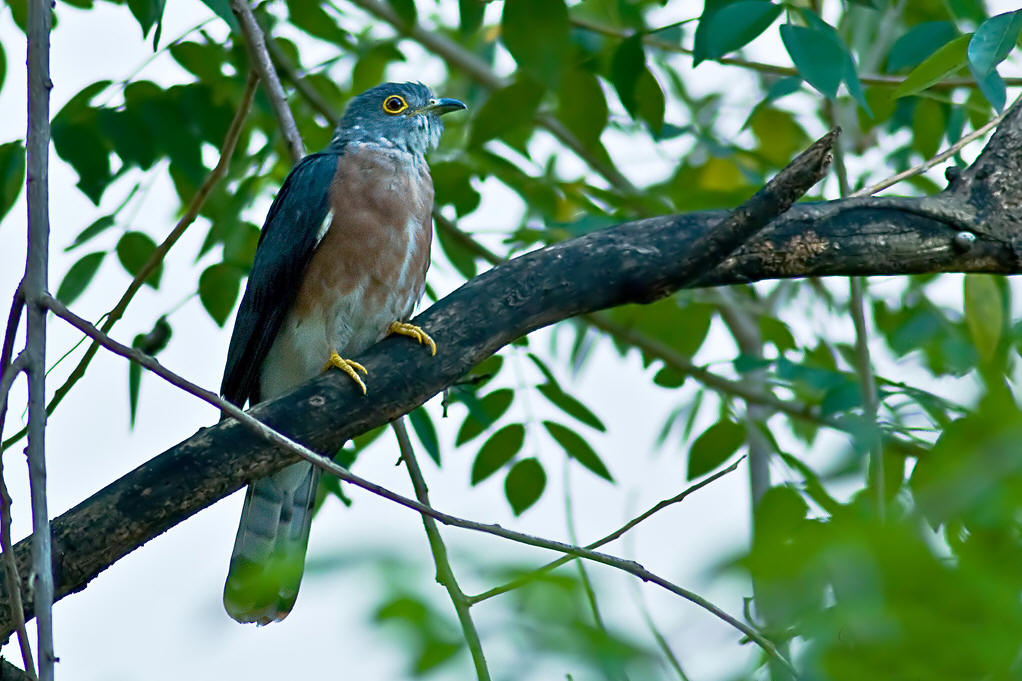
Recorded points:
443,105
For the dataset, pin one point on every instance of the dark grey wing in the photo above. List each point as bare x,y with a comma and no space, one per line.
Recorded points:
286,244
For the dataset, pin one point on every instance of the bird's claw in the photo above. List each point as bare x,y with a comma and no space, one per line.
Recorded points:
412,331
348,366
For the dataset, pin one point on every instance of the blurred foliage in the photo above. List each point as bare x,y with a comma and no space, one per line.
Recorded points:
932,591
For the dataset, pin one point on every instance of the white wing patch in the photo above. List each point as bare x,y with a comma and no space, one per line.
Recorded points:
325,227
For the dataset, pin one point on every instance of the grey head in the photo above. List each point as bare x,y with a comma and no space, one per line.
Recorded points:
405,116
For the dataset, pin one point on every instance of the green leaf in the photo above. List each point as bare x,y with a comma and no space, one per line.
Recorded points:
993,88
152,344
992,42
577,448
627,65
736,25
484,413
370,67
222,8
651,103
984,313
133,250
569,405
204,60
3,67
309,16
99,226
841,398
146,13
919,43
218,290
536,33
405,9
506,109
422,424
77,139
948,59
713,447
78,277
497,451
134,389
820,59
12,175
524,484
470,15
928,124
581,105
460,256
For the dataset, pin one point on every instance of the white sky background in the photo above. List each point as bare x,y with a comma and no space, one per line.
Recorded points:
157,613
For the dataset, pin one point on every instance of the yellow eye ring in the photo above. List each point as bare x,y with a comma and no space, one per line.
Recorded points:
394,104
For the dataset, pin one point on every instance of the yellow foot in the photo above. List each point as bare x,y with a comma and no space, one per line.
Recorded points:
348,366
412,331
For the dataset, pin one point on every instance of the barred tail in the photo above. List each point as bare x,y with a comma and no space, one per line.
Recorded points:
269,552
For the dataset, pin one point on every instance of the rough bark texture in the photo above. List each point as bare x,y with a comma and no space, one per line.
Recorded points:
633,262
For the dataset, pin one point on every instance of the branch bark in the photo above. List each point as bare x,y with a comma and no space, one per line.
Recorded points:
37,147
633,262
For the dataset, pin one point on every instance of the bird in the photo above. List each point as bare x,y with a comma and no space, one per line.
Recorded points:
341,263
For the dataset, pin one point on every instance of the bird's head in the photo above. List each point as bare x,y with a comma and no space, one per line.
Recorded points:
402,115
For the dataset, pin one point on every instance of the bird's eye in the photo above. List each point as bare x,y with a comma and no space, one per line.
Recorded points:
394,104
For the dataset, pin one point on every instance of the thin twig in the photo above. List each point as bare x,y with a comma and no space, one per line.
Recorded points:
36,264
160,253
328,465
661,641
554,564
314,99
444,571
929,163
256,43
10,333
864,78
12,580
583,573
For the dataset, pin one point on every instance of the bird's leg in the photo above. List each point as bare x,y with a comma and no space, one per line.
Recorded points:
348,366
412,331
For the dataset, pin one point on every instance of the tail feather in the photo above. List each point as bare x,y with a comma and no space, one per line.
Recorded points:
269,551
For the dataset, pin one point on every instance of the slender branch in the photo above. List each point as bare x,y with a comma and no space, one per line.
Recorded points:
864,78
939,158
295,449
256,42
616,534
444,571
314,99
661,641
583,574
12,580
35,284
7,372
160,253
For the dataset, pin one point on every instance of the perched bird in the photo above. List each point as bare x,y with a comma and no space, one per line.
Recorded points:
341,263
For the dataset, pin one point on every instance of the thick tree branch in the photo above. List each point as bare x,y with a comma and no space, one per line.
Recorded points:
633,262
520,292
